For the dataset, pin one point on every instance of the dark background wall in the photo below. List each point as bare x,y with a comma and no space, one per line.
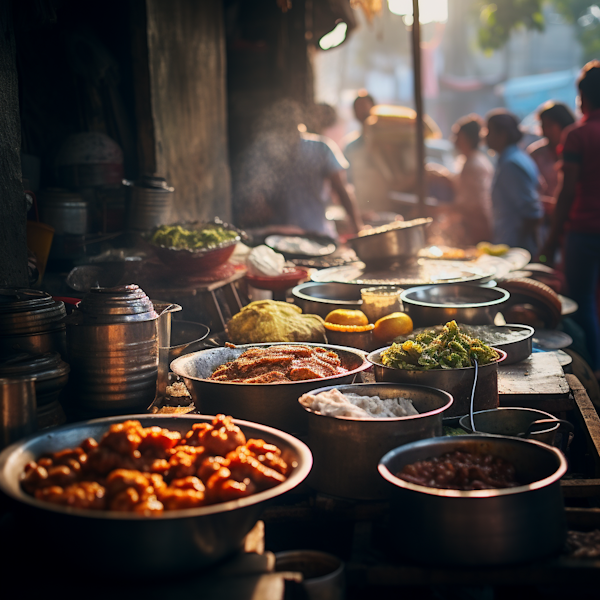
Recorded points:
13,245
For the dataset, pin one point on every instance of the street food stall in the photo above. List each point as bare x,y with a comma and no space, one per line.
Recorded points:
382,411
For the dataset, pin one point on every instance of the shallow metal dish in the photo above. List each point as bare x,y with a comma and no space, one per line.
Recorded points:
333,440
273,404
281,243
457,382
129,544
478,527
437,304
396,240
321,298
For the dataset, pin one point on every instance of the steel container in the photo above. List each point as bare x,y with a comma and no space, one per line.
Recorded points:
402,240
150,202
66,211
113,350
333,440
457,382
126,544
321,298
515,421
478,527
521,348
273,404
17,409
31,321
437,304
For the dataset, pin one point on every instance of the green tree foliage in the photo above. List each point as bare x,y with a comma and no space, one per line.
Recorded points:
498,19
586,16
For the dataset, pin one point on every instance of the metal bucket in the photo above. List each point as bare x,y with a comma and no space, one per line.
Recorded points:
31,321
150,202
113,350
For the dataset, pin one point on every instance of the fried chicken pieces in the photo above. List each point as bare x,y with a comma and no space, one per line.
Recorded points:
151,470
280,363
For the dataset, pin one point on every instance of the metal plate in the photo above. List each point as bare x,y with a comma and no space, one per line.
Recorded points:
298,245
421,272
550,339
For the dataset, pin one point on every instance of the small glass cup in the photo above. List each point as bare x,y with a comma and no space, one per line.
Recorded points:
379,302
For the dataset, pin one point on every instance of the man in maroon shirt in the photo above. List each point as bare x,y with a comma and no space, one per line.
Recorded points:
577,210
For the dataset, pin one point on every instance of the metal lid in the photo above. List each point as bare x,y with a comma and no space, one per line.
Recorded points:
39,366
152,182
24,311
121,304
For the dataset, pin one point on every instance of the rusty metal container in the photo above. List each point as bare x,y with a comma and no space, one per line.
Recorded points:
31,321
112,343
150,201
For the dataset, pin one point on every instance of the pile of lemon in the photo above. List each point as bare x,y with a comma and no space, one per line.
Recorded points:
355,321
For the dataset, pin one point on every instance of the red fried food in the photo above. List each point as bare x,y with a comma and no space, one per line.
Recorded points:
222,488
210,466
280,363
179,498
150,507
196,434
188,483
224,437
156,441
122,479
124,438
244,466
103,460
268,454
84,494
185,461
33,477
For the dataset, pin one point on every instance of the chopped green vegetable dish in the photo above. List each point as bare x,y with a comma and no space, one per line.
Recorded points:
175,236
450,349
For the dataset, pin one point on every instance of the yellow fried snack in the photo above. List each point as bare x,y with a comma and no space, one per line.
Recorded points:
272,321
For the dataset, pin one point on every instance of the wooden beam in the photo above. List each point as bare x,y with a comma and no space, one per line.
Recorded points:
420,132
580,488
588,417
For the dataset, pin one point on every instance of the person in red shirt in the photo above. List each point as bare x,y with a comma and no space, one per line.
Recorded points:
577,211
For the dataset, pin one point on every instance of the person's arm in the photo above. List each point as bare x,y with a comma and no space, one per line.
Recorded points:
565,199
346,196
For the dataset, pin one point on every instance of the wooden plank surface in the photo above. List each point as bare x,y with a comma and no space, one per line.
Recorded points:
590,422
539,375
580,488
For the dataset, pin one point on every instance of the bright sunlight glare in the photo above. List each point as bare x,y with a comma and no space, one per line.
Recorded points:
335,37
429,10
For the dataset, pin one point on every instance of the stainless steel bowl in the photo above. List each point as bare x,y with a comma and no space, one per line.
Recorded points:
403,241
274,404
321,298
457,382
479,527
129,544
437,304
333,440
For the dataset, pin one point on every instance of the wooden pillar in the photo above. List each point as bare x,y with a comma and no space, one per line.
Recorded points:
179,52
13,237
420,150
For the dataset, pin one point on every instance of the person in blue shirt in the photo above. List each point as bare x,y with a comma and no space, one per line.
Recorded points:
516,206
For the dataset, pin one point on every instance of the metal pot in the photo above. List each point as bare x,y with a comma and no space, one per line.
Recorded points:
31,321
321,298
457,382
132,545
113,350
66,211
515,421
333,440
186,337
397,240
478,527
436,304
274,404
150,202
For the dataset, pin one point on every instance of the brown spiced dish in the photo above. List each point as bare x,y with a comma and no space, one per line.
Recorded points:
151,470
461,471
280,364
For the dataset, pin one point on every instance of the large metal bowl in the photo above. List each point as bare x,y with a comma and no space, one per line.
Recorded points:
397,240
333,440
436,304
273,404
321,298
130,544
479,527
457,382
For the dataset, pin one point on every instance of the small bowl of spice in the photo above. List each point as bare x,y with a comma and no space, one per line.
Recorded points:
350,328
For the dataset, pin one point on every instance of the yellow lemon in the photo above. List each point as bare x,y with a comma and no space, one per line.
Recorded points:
343,316
391,326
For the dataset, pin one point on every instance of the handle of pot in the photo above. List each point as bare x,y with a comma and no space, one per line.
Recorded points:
565,427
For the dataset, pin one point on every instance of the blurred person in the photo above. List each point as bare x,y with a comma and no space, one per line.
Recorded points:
362,106
284,174
516,205
471,210
554,119
577,211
